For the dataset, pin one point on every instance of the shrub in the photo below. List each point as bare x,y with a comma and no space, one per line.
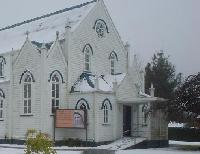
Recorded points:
72,142
38,143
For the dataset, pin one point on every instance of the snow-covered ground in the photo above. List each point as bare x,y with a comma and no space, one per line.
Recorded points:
21,151
173,149
156,151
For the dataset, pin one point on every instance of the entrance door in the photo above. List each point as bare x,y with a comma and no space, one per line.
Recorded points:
126,120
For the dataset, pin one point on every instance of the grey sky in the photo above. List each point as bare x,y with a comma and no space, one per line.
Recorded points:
148,25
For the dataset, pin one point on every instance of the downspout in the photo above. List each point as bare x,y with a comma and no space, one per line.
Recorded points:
94,116
10,106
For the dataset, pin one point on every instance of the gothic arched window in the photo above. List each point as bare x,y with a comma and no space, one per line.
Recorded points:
105,113
27,93
101,28
82,104
113,60
87,50
55,101
106,106
2,63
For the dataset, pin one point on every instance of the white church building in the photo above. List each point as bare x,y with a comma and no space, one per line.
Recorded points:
73,59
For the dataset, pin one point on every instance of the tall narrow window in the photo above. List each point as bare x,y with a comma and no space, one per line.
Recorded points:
106,107
112,64
113,59
1,105
27,94
87,60
55,93
2,63
87,50
105,112
144,114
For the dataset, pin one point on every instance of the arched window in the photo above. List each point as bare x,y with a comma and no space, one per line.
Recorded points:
113,59
82,104
87,50
100,28
55,93
2,63
27,93
144,114
1,104
106,106
105,113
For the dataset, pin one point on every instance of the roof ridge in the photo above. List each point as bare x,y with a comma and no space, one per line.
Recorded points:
47,15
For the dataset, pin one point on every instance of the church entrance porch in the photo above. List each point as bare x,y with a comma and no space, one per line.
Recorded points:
127,113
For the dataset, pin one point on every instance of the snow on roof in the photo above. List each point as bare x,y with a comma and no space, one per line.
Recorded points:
43,29
174,124
88,82
142,94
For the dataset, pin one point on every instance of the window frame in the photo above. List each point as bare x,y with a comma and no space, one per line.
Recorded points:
112,64
27,94
1,107
100,28
88,53
105,114
2,66
55,101
87,60
106,108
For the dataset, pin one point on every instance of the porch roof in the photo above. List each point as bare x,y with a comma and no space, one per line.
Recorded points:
139,100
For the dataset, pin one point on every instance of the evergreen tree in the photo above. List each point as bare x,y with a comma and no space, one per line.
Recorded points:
187,100
161,73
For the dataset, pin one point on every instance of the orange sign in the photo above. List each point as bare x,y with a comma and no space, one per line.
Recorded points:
70,118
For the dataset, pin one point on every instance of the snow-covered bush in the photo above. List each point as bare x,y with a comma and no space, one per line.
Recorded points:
38,143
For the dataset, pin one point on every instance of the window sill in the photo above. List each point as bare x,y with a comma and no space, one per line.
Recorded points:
2,77
1,119
26,115
87,72
144,125
52,115
106,124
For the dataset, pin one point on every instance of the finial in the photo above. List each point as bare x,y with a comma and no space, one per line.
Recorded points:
152,85
67,25
57,35
43,46
27,33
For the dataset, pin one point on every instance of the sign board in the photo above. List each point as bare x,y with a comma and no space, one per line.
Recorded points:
66,118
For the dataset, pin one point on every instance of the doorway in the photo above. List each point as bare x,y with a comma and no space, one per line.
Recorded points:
126,120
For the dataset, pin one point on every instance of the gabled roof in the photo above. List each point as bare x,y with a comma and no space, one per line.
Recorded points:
43,29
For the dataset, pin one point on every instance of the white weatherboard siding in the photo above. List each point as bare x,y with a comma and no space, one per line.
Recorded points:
28,59
3,122
55,44
102,47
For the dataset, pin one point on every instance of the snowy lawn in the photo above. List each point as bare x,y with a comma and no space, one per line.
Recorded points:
176,147
21,151
156,151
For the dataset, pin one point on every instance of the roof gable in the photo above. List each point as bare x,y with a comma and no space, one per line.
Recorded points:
126,89
43,29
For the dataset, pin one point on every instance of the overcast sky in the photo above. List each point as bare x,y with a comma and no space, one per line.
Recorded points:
148,25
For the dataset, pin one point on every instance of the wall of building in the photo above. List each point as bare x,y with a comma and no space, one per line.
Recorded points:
4,121
102,47
28,59
104,131
54,63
